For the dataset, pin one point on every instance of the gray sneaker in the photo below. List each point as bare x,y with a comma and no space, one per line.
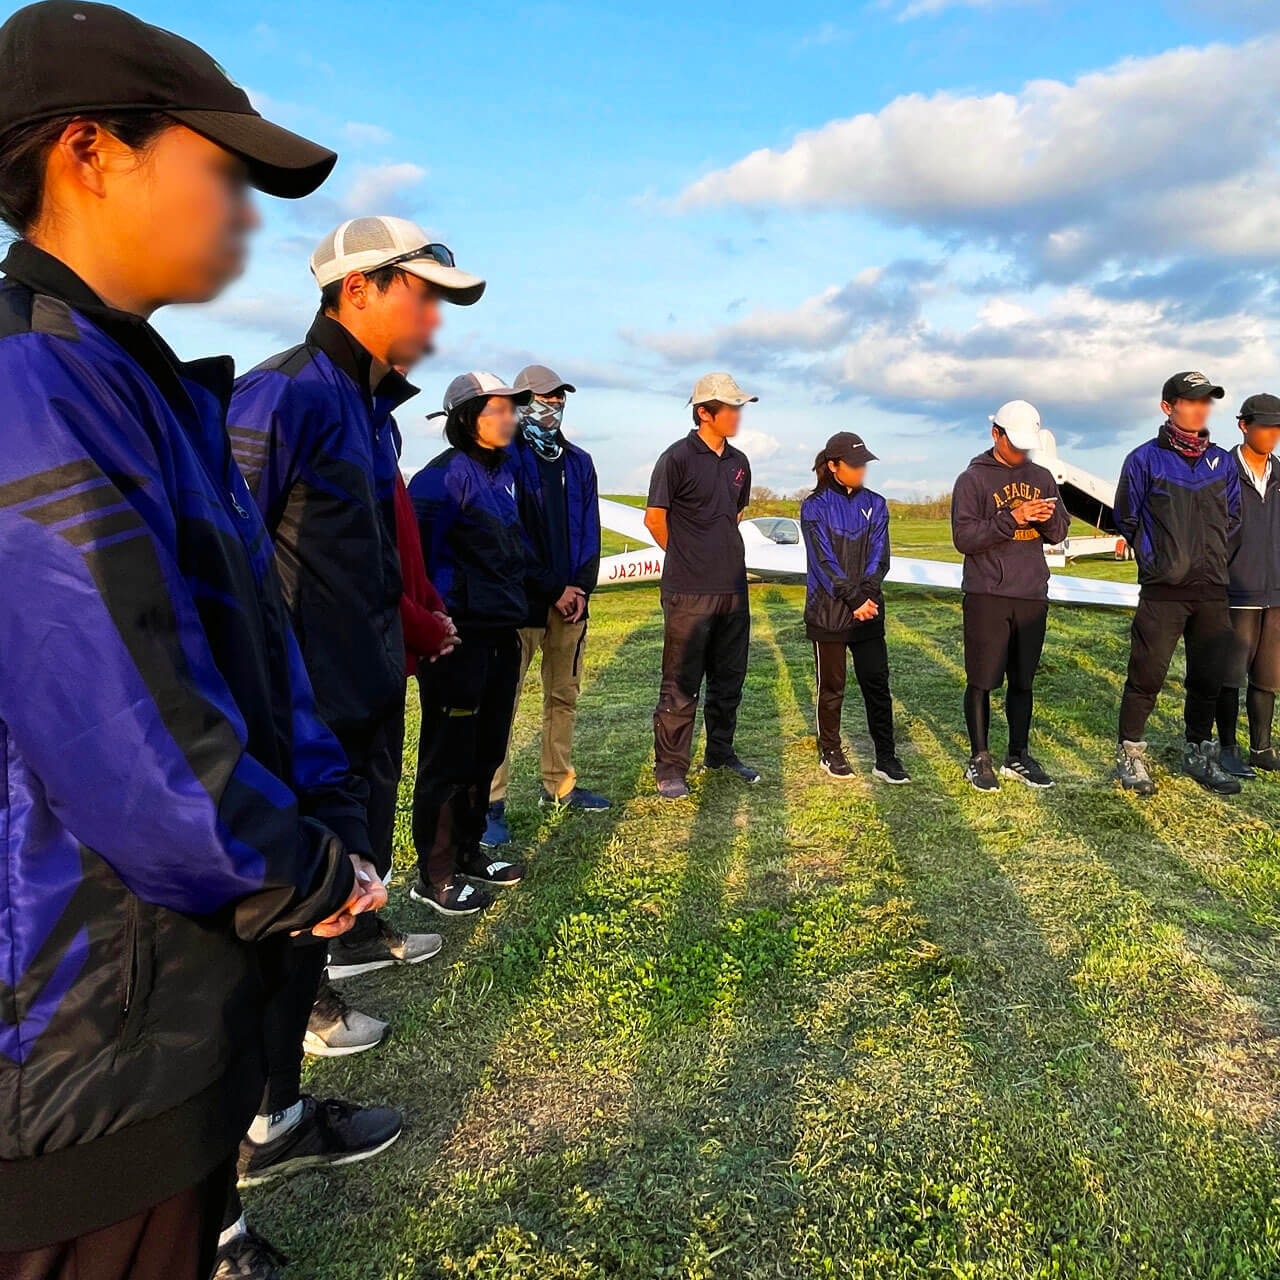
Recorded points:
1131,768
336,1030
1202,762
378,946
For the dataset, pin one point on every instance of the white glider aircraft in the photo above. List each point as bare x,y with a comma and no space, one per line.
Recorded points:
775,549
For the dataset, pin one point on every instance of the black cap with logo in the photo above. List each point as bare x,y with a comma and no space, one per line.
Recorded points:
62,57
844,446
1190,386
1261,411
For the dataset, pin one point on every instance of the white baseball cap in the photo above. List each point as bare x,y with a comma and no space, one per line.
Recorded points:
471,386
721,387
1019,421
365,244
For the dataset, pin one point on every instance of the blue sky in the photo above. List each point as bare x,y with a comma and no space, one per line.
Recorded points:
887,218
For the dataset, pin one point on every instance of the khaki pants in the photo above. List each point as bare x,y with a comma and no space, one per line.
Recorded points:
562,644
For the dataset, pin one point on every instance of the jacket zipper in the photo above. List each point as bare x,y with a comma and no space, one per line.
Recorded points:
131,956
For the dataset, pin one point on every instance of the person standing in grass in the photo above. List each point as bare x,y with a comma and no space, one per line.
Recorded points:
1004,509
1254,594
846,538
477,554
1178,506
557,493
697,494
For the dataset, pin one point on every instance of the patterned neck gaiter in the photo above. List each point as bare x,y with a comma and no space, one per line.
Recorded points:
1191,444
540,425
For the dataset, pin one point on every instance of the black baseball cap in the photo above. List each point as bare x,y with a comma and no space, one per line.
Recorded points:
1190,386
1261,411
64,57
844,446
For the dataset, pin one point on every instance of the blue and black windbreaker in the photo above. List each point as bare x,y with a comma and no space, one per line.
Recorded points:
313,433
846,539
169,796
1181,516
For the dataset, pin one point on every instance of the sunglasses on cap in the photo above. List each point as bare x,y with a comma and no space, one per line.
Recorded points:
440,253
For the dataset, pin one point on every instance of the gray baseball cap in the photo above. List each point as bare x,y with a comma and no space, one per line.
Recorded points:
541,381
470,386
720,386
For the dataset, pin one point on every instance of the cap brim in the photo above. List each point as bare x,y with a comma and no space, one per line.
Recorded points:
1022,441
280,163
1265,420
734,402
458,287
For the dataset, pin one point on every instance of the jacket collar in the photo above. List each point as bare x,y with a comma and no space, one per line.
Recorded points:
375,379
1246,475
44,274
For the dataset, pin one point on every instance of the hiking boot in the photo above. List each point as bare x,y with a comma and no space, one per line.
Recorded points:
834,763
578,798
889,769
1234,763
248,1257
496,831
330,1132
1200,761
1267,759
383,948
456,898
733,765
336,1030
1131,768
673,788
1026,769
494,871
980,772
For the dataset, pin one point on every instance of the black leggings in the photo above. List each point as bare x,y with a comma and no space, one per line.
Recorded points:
1018,707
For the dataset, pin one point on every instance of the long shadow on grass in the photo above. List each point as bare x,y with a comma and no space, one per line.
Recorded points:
1035,1047
447,1024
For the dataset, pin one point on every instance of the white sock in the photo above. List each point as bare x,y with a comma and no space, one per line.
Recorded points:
237,1228
268,1128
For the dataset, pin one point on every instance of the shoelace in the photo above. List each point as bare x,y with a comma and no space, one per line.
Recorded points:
330,1004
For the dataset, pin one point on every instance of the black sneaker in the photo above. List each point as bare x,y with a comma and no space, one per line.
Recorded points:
457,898
734,765
578,798
889,769
835,763
1267,759
1200,761
381,949
330,1132
490,870
1025,768
1234,763
980,772
248,1257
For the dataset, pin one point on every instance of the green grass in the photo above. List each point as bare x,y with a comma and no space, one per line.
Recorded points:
809,1029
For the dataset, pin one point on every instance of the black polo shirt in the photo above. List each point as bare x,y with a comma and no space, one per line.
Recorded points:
703,494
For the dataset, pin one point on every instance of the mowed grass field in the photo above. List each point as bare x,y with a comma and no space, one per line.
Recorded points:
811,1029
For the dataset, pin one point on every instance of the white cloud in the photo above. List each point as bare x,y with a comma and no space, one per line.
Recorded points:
931,8
1091,364
1152,156
381,188
365,135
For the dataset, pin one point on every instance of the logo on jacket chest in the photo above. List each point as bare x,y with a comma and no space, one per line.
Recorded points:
1010,497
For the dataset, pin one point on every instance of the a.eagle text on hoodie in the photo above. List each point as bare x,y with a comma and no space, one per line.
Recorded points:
1002,557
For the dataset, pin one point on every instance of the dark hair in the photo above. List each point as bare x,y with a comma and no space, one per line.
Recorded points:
24,152
382,278
460,426
822,473
711,406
